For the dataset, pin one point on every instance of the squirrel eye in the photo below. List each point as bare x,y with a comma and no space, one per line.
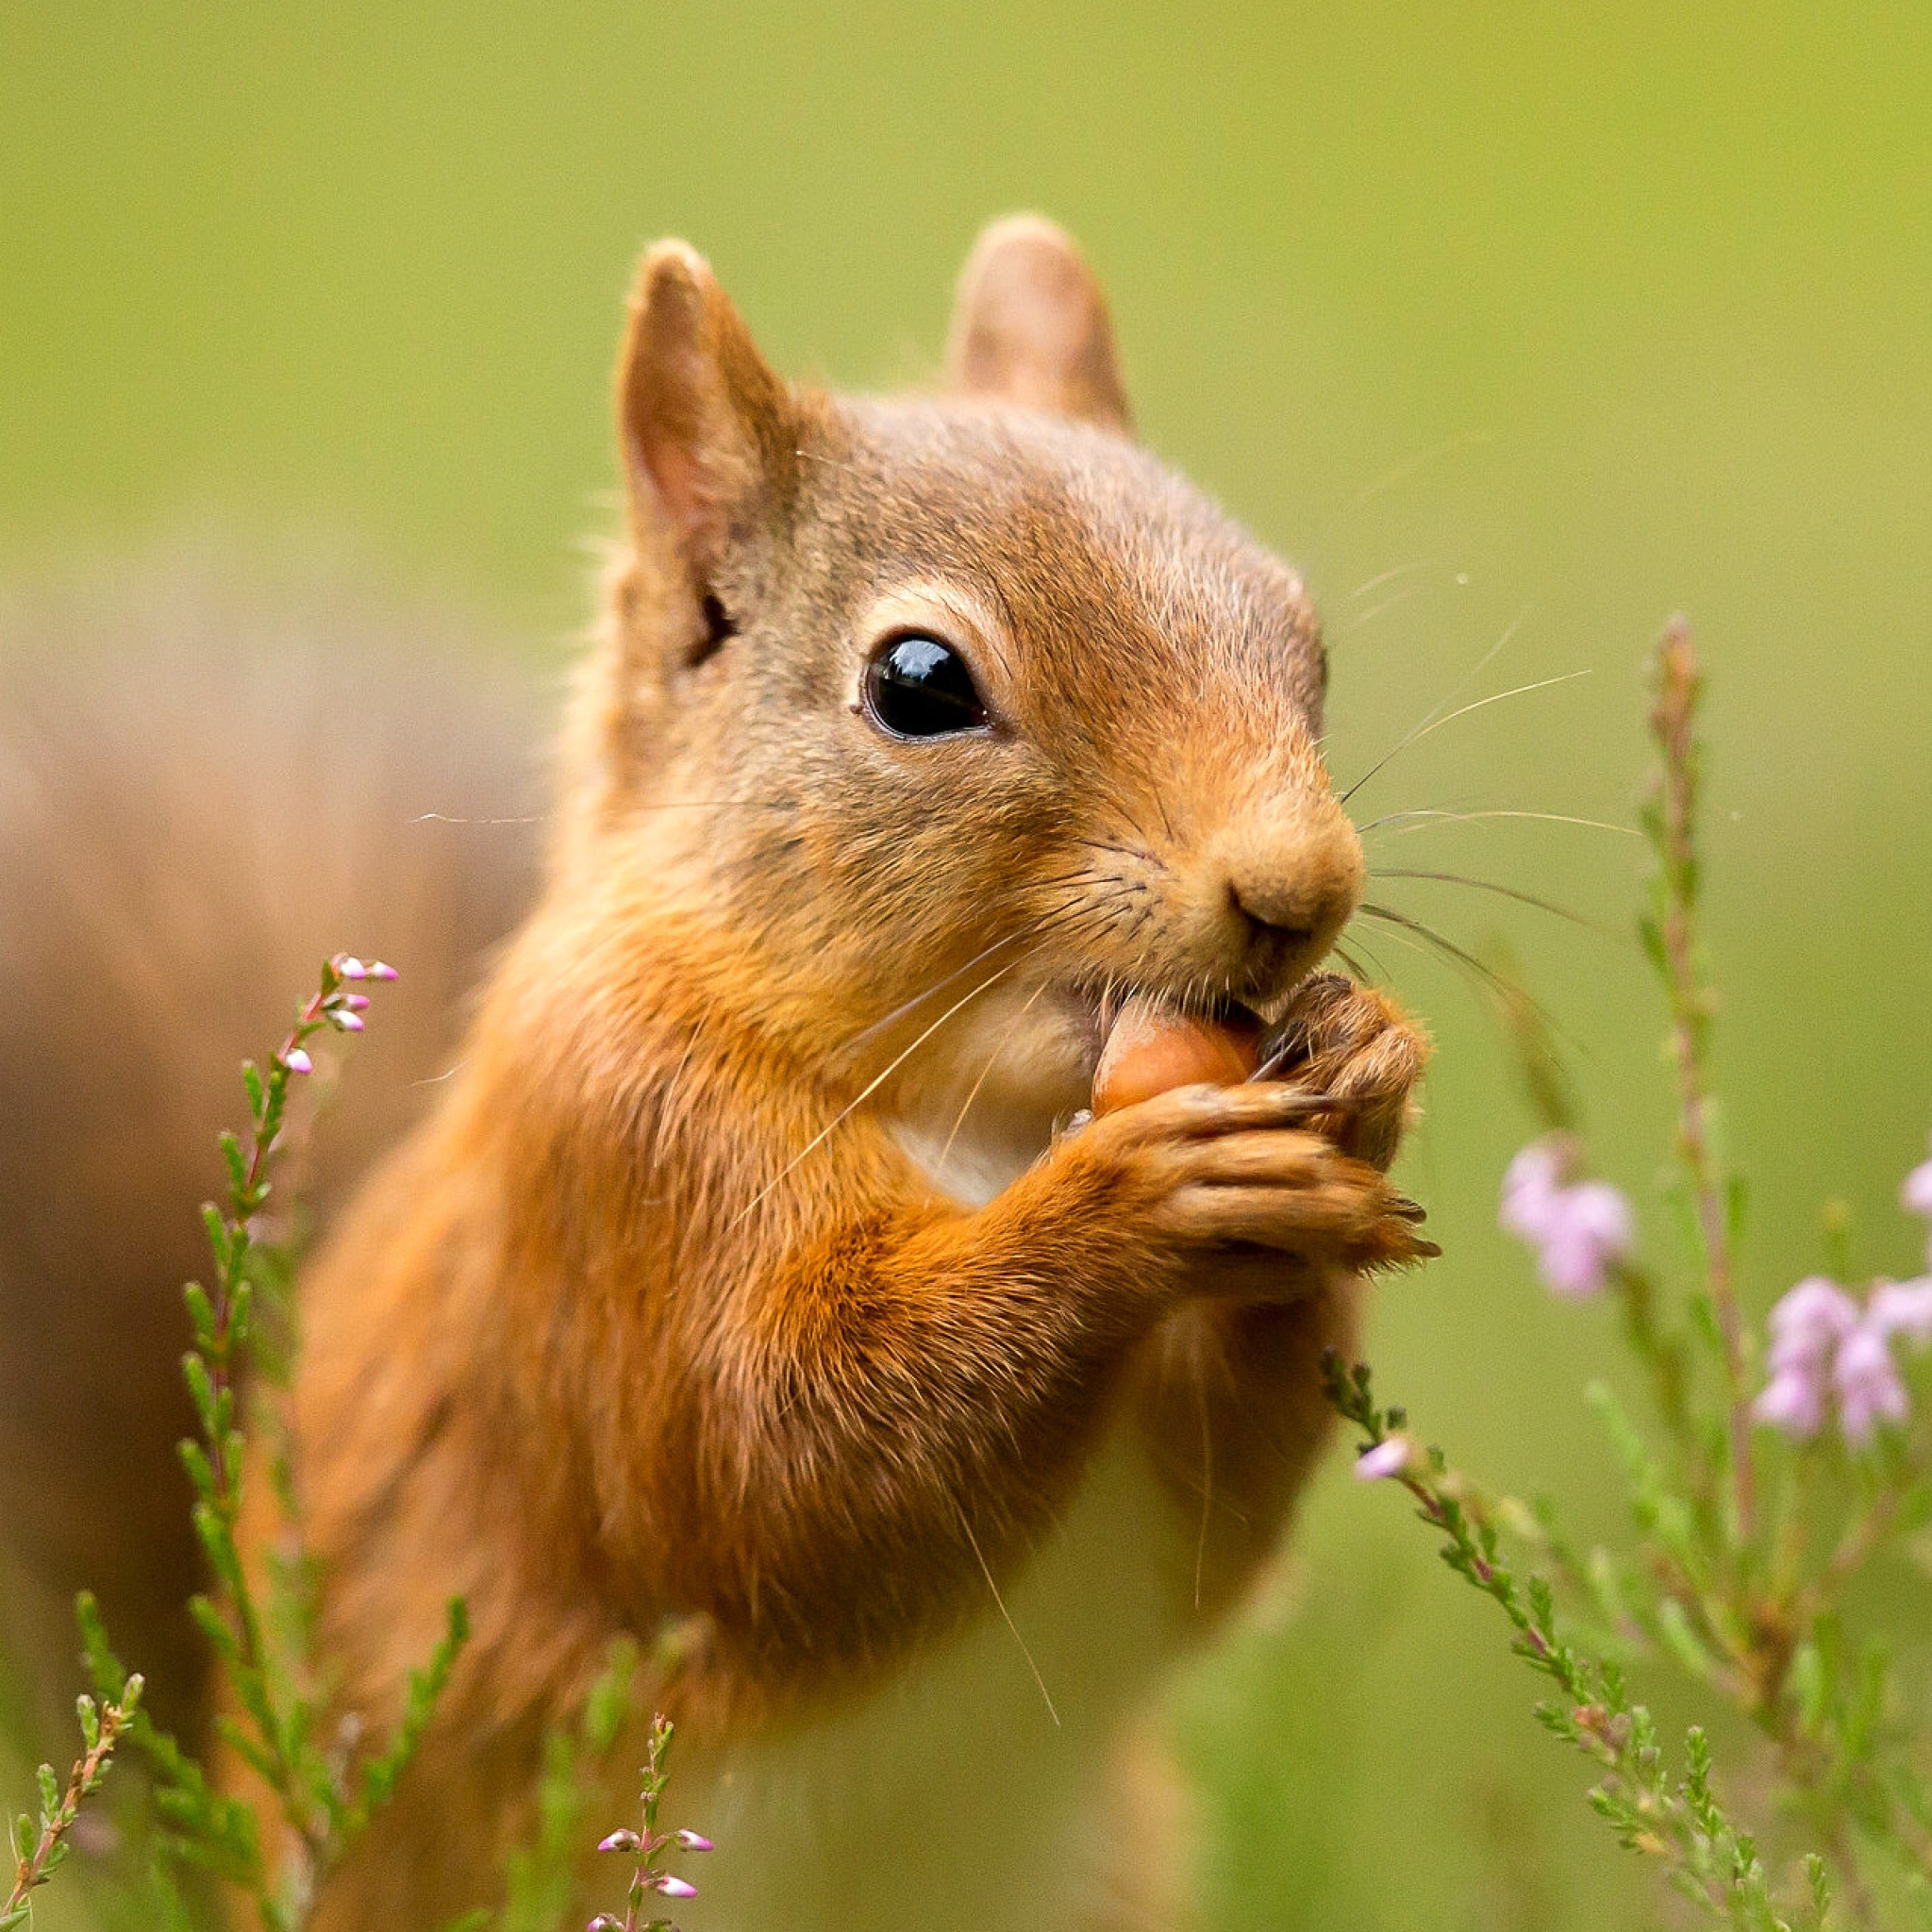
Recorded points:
918,686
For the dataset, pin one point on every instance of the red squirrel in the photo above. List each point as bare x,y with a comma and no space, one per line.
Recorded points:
757,1275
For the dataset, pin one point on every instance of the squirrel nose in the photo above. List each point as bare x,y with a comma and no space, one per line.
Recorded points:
1294,886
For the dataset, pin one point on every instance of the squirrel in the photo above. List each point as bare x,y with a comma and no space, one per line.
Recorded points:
757,1284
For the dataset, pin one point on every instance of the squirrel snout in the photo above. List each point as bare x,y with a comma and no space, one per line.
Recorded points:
1293,888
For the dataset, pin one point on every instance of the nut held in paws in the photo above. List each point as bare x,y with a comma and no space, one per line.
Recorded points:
1151,1051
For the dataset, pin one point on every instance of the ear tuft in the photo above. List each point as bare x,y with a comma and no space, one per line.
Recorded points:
704,424
1031,326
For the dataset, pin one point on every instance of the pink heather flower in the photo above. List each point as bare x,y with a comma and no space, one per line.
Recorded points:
1806,1322
1903,1308
297,1062
349,967
377,969
1822,1343
1390,1456
1916,1195
1589,1229
1578,1229
1792,1402
671,1887
619,1842
604,1922
347,1022
1868,1384
1530,1186
693,1840
355,1002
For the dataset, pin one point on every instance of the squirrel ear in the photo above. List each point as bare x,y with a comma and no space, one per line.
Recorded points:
1031,326
704,424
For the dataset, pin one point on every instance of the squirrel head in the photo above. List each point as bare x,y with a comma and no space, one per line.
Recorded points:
891,686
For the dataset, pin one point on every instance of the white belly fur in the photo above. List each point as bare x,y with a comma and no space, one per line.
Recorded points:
952,1796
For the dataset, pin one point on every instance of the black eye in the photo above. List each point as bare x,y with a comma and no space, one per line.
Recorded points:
919,687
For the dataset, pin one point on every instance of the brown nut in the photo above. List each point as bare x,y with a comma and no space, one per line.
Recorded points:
1151,1051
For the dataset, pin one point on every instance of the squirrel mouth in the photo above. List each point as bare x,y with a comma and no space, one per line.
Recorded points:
1221,1008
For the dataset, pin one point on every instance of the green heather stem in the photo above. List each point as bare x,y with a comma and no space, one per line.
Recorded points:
1678,685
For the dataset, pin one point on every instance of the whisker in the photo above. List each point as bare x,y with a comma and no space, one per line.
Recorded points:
1357,972
1521,898
1206,1476
1363,619
959,973
1497,697
1388,479
1385,576
965,1524
871,1087
1124,851
1375,959
1555,818
991,1060
1455,692
444,817
1498,984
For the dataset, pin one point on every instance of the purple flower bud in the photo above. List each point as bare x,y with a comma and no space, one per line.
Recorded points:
693,1840
1792,1402
355,1002
377,969
297,1062
1806,1322
1903,1308
1577,1231
1530,1186
1390,1456
604,1922
671,1887
349,967
344,1021
619,1842
1869,1388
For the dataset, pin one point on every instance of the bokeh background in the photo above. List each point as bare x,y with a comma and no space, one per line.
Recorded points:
1491,315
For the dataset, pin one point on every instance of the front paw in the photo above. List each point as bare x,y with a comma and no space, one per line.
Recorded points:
1358,1044
1225,1173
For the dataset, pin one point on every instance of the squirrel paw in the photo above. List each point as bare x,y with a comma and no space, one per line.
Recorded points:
1357,1044
1220,1168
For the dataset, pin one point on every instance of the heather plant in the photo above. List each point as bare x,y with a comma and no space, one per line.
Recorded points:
648,1848
320,1788
40,1845
1765,1482
319,1781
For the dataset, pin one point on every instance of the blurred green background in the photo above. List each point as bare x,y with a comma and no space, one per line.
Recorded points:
1490,315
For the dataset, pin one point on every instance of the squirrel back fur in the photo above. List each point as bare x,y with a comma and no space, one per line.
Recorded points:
208,784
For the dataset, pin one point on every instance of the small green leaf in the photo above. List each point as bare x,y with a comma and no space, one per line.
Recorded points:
1650,937
1807,1682
1737,1204
219,1237
201,1387
201,1313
